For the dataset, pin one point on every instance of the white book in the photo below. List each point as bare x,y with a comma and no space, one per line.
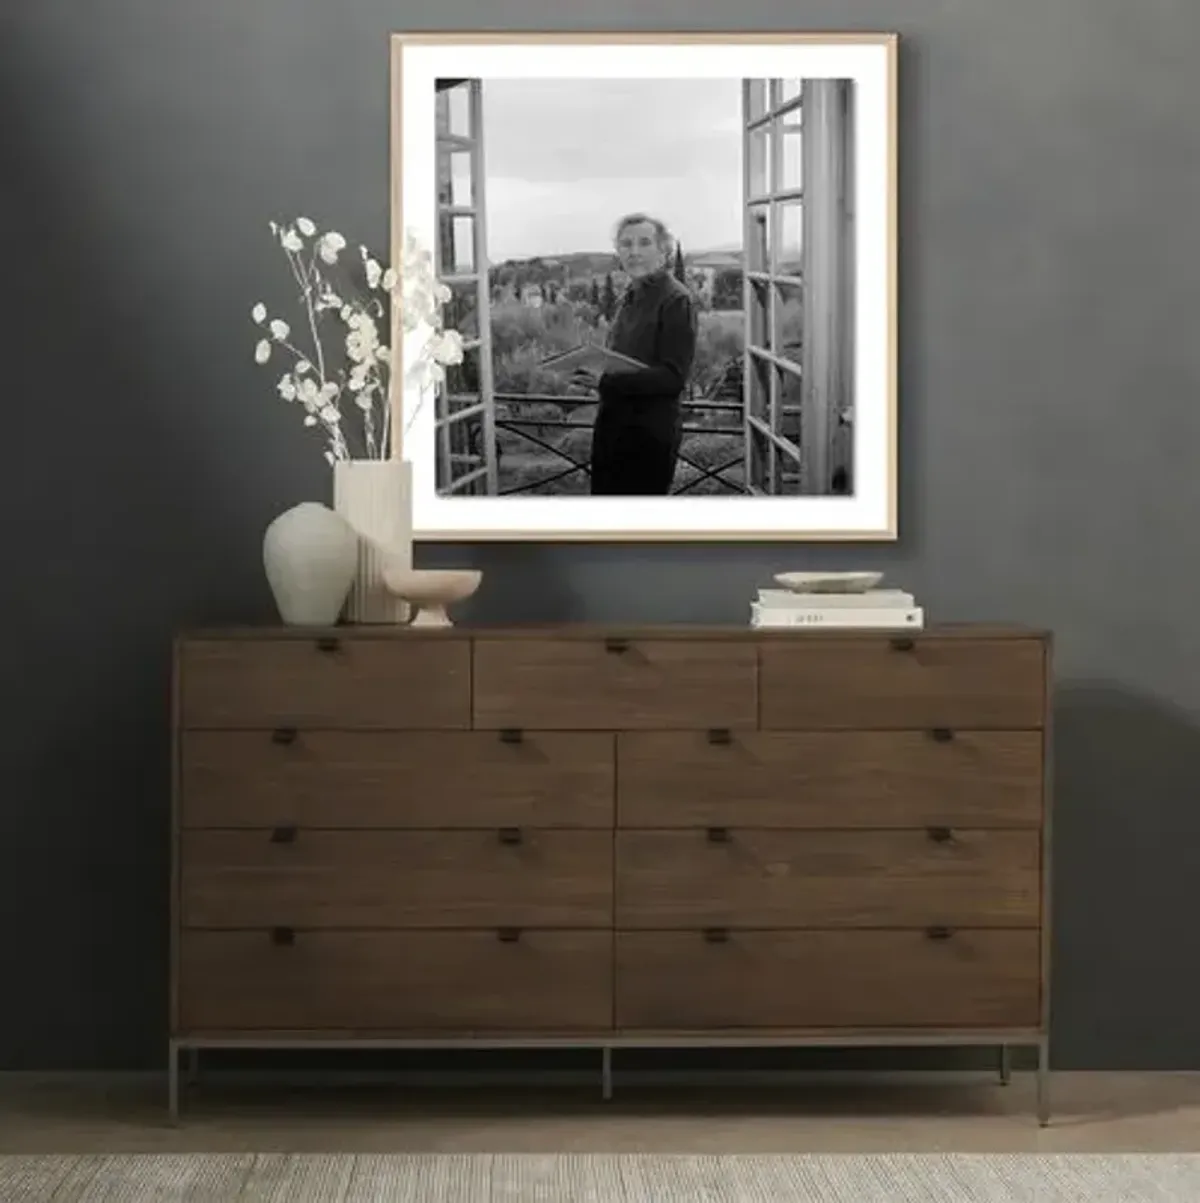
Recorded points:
872,599
882,618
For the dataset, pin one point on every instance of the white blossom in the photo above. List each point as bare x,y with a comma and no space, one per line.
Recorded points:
330,244
325,389
447,347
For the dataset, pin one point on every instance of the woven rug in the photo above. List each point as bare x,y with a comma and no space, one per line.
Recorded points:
600,1178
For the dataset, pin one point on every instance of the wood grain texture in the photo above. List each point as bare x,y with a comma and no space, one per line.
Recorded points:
614,682
408,779
397,879
573,834
336,682
427,981
764,879
829,979
919,682
858,779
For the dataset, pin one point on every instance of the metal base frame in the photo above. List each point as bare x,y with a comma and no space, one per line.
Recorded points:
191,1048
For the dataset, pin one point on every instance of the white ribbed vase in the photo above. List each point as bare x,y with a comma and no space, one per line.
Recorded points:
375,498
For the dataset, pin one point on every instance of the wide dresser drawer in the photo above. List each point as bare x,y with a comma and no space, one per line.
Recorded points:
396,779
714,980
419,982
753,878
940,777
356,879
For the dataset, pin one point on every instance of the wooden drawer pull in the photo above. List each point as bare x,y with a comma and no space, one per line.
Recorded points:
511,735
716,935
508,935
940,835
718,835
720,735
285,834
616,646
510,835
283,935
328,643
283,735
902,643
941,735
938,933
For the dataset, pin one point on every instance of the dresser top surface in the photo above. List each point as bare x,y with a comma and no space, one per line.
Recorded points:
732,631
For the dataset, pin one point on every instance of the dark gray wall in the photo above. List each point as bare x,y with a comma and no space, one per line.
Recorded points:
1050,301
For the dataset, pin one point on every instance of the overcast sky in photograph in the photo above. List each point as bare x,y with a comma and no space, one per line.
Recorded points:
566,158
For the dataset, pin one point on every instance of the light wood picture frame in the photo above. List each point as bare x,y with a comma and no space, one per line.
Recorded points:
766,167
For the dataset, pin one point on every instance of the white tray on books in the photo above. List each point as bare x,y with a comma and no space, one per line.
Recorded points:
828,582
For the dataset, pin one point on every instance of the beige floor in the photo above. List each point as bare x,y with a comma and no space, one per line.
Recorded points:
1093,1112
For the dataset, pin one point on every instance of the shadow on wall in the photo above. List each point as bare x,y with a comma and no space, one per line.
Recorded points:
1126,981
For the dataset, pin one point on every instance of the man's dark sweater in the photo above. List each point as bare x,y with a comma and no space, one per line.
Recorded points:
636,437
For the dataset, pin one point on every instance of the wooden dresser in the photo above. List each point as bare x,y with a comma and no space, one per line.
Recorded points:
610,837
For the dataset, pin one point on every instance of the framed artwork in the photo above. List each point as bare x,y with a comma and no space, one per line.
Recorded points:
672,259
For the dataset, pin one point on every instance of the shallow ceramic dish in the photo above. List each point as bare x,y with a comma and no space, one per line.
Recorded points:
431,590
828,582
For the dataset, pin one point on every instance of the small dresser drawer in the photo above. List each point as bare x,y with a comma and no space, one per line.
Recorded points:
597,683
830,778
395,982
733,877
336,682
909,681
357,879
395,779
716,980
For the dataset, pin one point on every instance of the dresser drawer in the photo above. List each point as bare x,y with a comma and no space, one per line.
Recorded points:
912,681
734,877
689,981
356,879
830,778
395,779
587,683
395,982
335,682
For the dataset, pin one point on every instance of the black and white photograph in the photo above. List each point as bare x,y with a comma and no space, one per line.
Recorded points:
656,280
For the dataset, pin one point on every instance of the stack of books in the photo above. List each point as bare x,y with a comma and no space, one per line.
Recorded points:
874,609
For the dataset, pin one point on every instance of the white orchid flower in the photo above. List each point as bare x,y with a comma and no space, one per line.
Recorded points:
280,329
259,313
287,388
305,226
262,351
292,241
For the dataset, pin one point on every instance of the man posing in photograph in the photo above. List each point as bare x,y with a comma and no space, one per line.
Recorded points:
638,426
